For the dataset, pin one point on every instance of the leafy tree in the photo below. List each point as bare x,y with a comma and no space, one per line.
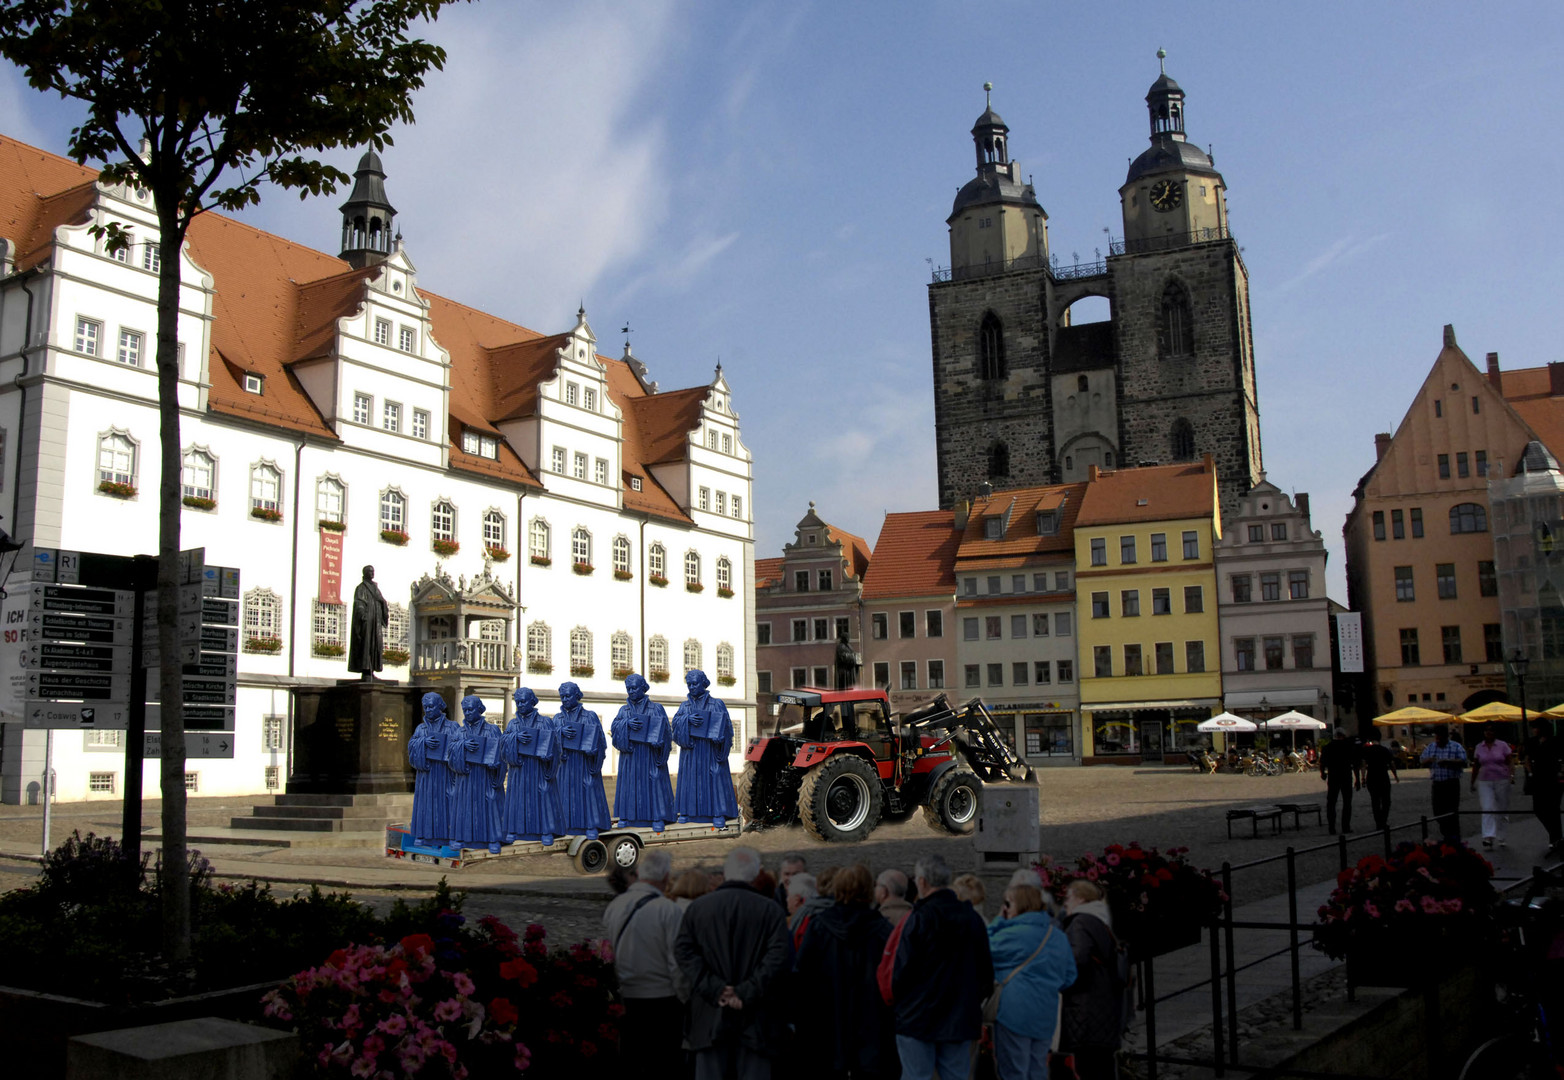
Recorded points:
200,102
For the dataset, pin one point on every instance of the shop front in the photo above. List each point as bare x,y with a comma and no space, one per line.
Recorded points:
1044,732
1144,732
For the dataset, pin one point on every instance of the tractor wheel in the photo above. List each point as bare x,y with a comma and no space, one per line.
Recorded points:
757,798
840,799
953,802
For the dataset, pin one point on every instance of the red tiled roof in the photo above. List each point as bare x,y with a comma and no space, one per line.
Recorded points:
768,572
1021,538
855,548
1529,392
1153,493
41,192
914,556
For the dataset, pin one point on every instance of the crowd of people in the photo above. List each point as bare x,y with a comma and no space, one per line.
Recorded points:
744,973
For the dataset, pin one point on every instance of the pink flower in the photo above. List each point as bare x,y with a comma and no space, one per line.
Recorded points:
523,1057
373,1045
1430,906
1455,905
1112,859
449,1009
1371,910
363,1067
1404,905
393,1025
462,983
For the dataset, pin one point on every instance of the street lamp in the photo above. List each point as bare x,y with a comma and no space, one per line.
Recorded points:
1518,664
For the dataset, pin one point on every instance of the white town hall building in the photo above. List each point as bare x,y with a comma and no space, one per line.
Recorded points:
534,512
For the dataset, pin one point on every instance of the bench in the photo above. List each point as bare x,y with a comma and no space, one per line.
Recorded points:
1254,815
1297,810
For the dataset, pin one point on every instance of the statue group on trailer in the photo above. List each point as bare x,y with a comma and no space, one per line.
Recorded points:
542,777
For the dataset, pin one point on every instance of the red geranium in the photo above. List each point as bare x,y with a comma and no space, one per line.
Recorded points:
519,970
502,1011
417,945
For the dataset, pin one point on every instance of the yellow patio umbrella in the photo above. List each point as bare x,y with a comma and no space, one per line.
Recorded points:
1555,713
1497,711
1412,714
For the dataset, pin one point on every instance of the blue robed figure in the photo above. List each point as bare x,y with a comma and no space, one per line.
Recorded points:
642,735
530,746
474,758
431,823
704,733
581,765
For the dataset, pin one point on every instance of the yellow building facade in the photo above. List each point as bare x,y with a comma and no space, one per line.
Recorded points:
1149,659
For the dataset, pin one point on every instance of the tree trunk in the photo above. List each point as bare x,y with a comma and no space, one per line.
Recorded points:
175,872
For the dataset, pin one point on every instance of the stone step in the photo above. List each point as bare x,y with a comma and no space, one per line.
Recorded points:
374,813
213,836
390,799
313,824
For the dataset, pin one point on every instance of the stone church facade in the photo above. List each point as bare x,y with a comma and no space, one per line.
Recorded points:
1024,396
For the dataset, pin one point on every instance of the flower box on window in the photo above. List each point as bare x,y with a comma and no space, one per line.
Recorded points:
623,575
396,657
265,513
724,592
334,526
542,560
445,547
539,667
116,489
497,553
726,680
623,672
583,670
657,676
269,646
393,536
582,568
694,586
658,580
328,648
199,502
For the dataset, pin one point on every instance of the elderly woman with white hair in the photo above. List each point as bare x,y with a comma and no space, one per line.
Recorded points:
643,926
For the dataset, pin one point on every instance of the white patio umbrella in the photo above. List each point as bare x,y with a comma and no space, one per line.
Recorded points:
1227,722
1294,721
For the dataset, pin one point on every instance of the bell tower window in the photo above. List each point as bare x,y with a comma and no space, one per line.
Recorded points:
991,348
1183,440
1177,337
999,460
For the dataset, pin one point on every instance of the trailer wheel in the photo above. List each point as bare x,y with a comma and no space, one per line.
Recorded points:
591,857
840,799
625,851
953,802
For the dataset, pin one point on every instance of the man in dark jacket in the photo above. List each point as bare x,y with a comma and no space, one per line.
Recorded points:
733,947
1339,767
942,974
838,999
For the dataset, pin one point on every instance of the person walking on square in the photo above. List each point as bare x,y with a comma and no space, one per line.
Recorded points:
1542,775
1445,761
1379,766
1492,774
1339,770
941,974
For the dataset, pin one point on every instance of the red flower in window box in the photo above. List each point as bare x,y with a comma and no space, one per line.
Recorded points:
116,489
539,667
393,536
497,553
724,592
658,580
265,513
583,670
623,575
657,676
445,547
726,680
541,560
266,645
623,672
396,657
694,586
334,526
328,649
199,502
582,568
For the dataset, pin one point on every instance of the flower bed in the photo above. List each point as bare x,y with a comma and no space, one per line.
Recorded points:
199,502
116,489
265,645
334,526
393,536
541,560
497,553
265,513
1158,898
396,657
445,548
1428,892
582,568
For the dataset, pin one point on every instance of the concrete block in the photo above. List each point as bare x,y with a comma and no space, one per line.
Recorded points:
207,1048
1008,819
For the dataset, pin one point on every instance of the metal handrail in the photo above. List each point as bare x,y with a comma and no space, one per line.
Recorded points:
1143,245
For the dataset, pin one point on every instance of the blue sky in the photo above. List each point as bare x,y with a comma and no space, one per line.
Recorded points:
763,184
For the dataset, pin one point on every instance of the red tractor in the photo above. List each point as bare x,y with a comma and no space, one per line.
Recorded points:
839,761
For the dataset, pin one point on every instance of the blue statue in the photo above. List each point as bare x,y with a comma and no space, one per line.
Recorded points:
530,746
426,751
581,767
474,756
643,737
705,735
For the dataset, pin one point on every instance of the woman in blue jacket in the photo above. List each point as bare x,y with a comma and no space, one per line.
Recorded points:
1029,1003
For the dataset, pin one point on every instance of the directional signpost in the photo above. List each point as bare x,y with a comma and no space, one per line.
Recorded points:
209,647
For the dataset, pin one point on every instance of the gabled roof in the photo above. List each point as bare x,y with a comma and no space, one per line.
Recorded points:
768,572
1153,493
914,556
41,192
1530,393
1019,508
854,548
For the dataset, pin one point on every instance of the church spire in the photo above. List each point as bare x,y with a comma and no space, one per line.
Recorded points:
367,215
1165,102
991,135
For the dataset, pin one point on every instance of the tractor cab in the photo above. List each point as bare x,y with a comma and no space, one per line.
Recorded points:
828,716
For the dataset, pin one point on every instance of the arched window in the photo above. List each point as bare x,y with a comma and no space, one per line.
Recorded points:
540,649
657,563
692,568
991,348
393,511
999,460
198,479
1082,384
619,654
692,655
725,664
581,651
1468,518
1177,337
657,658
494,531
331,502
491,630
265,491
724,575
580,546
621,557
262,621
116,459
1183,440
442,522
398,628
538,535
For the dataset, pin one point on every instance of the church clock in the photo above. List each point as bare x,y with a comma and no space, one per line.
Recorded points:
1166,195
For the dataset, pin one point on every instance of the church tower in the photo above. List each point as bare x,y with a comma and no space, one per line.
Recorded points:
367,215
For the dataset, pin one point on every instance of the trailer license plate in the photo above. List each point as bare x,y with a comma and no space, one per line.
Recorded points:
425,858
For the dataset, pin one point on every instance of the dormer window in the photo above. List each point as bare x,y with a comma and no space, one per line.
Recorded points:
635,483
993,528
480,445
253,383
1048,523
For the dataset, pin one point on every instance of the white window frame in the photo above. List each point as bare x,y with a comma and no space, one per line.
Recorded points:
89,336
704,498
391,417
657,654
189,490
557,461
363,408
399,627
393,511
540,538
442,520
407,339
495,530
657,561
420,423
600,470
724,661
738,506
101,782
692,567
580,649
589,399
722,504
125,452
262,473
572,393
579,466
382,332
262,615
152,256
253,383
273,738
470,443
132,345
724,573
621,654
326,623
581,546
692,655
727,444
621,555
328,487
540,644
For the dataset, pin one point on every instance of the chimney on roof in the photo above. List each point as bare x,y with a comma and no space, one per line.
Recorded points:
1301,501
1555,379
1495,376
1381,444
962,513
1449,336
985,490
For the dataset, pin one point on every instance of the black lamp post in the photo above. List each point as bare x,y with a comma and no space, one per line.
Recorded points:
1518,664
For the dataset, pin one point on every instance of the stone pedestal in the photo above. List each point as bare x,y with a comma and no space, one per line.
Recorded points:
351,739
193,1049
1007,837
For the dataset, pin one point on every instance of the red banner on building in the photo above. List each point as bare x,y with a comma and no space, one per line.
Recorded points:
330,567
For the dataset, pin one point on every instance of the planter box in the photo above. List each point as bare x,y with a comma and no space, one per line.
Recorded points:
1391,959
1161,938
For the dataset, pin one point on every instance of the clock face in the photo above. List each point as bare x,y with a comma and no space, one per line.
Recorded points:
1166,195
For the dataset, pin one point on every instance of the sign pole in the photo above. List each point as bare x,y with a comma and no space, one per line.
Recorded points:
145,569
48,783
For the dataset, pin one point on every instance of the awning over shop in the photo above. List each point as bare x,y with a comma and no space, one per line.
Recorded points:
1281,699
1030,707
1189,703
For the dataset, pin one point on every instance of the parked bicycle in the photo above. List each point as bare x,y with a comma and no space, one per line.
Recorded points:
1529,994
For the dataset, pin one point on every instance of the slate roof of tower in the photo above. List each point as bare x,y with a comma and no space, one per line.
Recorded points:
276,303
914,556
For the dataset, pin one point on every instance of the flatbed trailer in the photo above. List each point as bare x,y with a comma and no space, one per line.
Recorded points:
620,846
